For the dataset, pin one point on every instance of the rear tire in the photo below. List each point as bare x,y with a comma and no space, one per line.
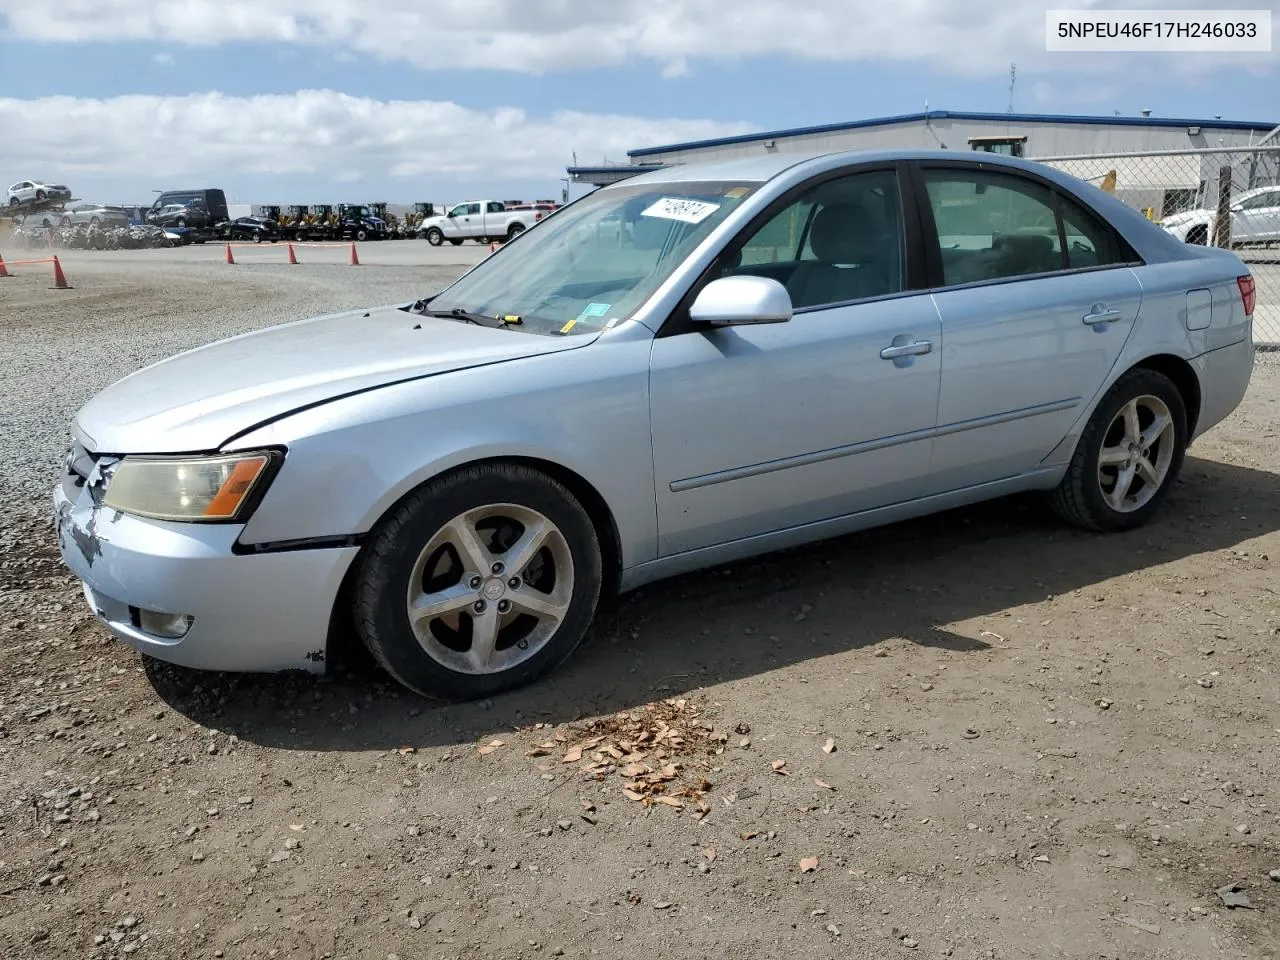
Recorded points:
1198,236
505,610
1125,461
40,194
515,230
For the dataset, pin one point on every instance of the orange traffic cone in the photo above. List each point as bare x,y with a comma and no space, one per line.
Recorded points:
230,258
355,261
4,271
59,278
293,257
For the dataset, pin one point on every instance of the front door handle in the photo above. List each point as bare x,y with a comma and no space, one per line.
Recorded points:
1101,313
914,349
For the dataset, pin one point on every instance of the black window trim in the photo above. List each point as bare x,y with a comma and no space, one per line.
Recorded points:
1127,257
678,322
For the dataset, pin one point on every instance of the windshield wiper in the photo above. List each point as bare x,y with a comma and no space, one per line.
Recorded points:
457,313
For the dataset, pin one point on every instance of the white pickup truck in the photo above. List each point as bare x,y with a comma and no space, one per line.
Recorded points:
488,221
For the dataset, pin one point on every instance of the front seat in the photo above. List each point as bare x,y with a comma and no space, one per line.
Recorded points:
852,259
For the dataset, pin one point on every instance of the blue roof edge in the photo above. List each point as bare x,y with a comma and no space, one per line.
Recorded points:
960,115
630,168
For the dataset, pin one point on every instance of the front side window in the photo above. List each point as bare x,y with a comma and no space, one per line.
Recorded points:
598,259
841,240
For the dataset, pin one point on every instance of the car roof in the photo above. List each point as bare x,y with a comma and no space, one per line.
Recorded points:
764,168
1152,243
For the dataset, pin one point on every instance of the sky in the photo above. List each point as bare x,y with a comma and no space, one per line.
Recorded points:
328,101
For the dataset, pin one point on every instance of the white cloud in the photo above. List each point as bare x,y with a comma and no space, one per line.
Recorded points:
164,59
313,133
534,36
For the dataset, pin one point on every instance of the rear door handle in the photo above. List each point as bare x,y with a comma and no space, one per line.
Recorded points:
915,349
1101,313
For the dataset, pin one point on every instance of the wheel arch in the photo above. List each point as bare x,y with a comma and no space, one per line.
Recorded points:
1184,378
342,626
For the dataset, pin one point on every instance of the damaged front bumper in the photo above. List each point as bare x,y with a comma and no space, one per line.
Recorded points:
257,612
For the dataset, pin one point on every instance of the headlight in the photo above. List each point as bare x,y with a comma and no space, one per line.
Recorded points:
202,489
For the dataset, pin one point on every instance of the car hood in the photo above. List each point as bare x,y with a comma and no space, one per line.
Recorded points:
198,400
1185,217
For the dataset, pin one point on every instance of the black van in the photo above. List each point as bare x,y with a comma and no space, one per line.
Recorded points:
200,209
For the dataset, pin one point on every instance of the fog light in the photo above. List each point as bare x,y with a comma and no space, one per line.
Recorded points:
171,626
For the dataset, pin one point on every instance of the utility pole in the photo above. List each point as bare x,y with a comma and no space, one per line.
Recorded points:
1013,79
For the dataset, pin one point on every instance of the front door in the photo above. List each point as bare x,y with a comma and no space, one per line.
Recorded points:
762,428
1031,327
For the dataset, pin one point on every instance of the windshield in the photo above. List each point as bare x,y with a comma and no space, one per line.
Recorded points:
596,260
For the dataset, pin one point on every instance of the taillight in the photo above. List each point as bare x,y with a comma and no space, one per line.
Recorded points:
1248,293
537,216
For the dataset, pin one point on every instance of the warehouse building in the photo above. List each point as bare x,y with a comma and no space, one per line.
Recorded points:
1155,182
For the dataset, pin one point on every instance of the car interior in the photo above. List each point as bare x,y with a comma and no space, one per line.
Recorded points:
841,241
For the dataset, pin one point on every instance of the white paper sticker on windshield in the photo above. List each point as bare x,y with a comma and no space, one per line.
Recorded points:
673,208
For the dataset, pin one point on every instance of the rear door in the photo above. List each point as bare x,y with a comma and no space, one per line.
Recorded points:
1258,218
492,224
1036,298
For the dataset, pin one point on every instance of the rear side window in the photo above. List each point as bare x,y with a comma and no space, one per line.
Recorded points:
1090,242
996,226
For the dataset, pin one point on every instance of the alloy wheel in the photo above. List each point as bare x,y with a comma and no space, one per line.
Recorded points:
1137,451
490,588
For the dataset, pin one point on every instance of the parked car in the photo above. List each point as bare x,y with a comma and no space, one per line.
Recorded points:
178,215
204,208
753,360
95,214
26,191
1255,218
257,229
484,220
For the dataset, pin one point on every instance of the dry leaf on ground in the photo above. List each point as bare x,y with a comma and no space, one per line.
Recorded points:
808,864
489,747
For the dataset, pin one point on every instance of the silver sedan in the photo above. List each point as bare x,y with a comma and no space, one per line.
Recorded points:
689,367
94,214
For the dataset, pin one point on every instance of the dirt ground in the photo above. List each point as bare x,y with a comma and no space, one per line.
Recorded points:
980,735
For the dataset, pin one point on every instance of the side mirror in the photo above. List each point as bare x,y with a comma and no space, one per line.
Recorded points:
740,300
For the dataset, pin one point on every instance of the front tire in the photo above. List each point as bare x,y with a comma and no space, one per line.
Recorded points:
434,236
481,581
1128,457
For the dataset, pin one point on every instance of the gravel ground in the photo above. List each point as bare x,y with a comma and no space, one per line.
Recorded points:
980,735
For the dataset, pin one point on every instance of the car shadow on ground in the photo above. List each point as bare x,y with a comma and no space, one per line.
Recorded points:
906,581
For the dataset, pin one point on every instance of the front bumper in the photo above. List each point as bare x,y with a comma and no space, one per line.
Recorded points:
254,612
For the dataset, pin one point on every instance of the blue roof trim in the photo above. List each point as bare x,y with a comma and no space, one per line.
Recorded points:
954,115
630,169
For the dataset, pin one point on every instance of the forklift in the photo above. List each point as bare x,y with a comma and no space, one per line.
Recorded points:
323,225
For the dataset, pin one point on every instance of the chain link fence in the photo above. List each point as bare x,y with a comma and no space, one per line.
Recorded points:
1228,197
